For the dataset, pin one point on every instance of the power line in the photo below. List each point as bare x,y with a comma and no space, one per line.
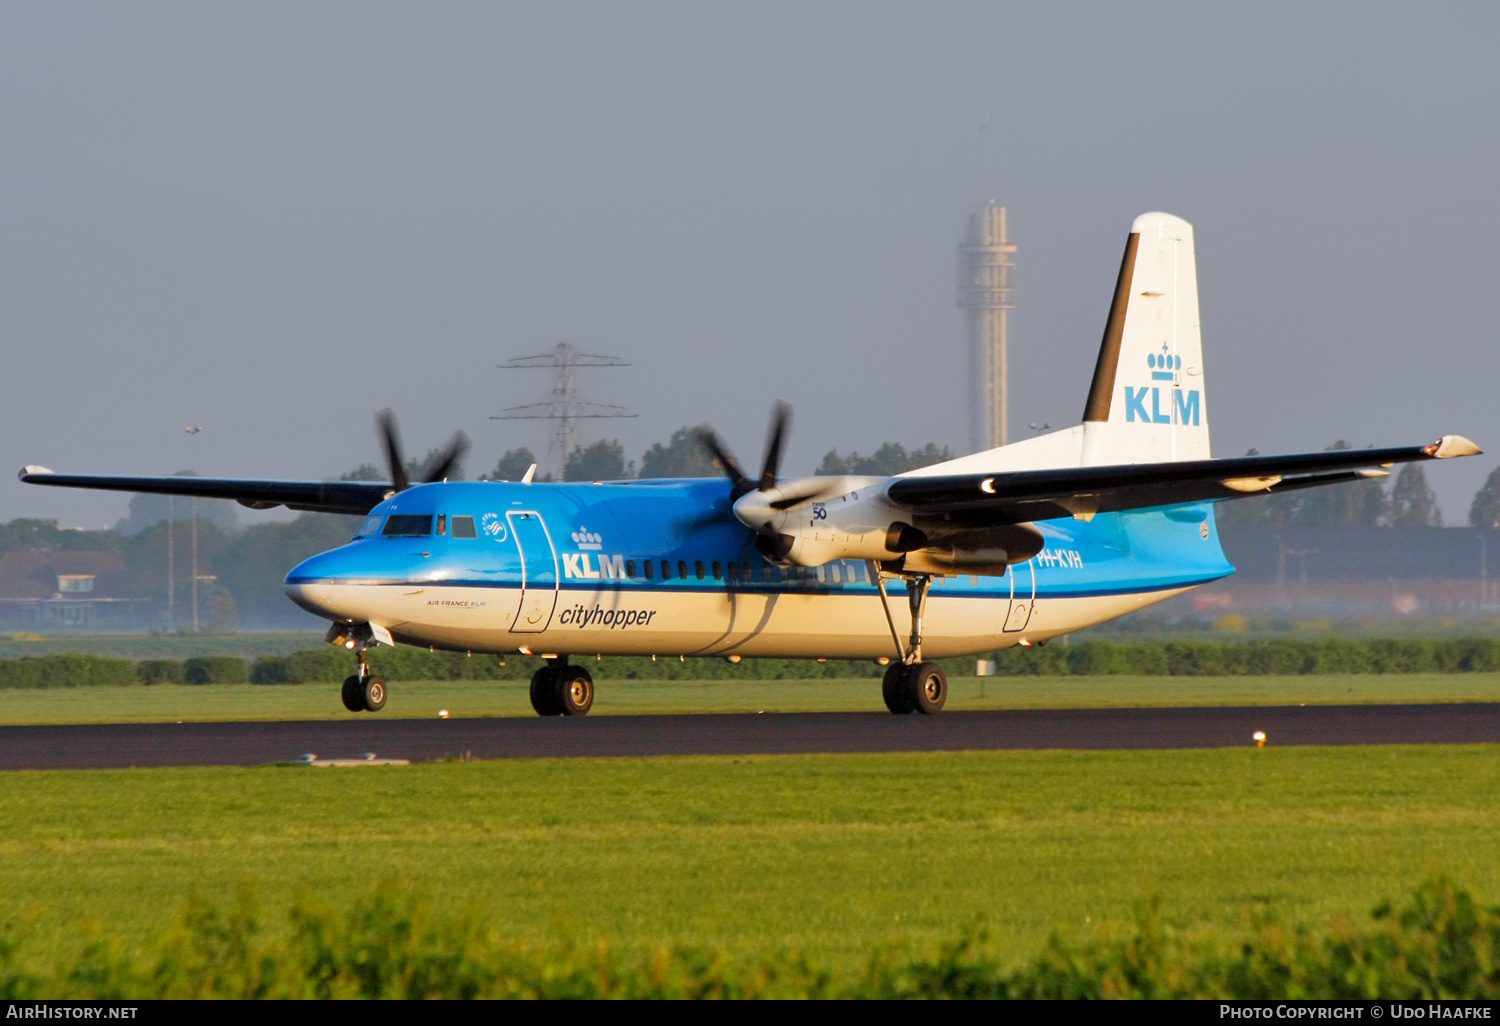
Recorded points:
564,407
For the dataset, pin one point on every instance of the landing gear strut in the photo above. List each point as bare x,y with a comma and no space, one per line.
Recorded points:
361,692
559,689
911,685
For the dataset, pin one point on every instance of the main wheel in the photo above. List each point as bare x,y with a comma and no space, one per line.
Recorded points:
353,695
893,689
373,693
544,697
575,691
926,688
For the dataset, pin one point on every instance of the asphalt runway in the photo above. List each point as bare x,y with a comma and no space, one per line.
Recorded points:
120,745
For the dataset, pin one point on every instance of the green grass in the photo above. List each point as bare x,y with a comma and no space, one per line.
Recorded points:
172,702
830,853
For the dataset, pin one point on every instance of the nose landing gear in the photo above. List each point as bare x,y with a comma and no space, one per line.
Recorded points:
361,692
559,689
364,693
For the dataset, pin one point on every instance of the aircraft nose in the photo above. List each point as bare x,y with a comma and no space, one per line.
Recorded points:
311,597
310,586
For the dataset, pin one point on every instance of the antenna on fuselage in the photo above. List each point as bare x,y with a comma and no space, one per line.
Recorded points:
564,407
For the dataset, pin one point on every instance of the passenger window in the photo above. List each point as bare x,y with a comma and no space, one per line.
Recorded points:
463,527
838,578
442,524
630,569
371,526
973,580
718,572
734,572
682,568
646,565
666,570
698,567
745,572
407,525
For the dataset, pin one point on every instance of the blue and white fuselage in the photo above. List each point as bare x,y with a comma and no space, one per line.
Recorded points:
631,568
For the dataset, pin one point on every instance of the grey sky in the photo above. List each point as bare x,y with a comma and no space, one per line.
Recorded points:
272,220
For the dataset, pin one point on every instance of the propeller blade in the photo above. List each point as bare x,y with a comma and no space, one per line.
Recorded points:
781,421
773,546
385,422
730,465
455,452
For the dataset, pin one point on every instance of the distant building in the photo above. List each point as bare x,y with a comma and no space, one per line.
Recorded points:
42,588
1353,572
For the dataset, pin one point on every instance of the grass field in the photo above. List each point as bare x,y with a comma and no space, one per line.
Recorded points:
172,702
830,853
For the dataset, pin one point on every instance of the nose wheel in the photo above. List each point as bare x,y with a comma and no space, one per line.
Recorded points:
558,689
364,693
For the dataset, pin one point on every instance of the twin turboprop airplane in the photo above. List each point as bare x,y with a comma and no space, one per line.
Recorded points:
1012,546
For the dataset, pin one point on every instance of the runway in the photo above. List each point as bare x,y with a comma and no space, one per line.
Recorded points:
111,746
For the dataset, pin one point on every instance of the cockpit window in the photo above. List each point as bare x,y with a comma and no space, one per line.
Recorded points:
407,525
463,527
371,527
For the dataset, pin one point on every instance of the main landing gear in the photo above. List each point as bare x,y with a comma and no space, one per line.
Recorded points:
911,685
559,689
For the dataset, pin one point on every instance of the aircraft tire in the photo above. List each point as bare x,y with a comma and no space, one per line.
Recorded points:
575,691
927,688
544,692
893,689
353,695
372,692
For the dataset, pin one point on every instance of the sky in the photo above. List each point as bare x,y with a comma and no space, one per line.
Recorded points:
271,220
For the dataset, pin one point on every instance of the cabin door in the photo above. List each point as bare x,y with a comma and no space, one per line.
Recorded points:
1021,604
538,571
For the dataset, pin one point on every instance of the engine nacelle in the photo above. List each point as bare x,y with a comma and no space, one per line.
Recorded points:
818,520
951,561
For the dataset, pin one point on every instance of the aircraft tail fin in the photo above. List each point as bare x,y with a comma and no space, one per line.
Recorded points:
1147,402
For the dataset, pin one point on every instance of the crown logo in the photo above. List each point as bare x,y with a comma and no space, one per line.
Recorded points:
586,540
1163,364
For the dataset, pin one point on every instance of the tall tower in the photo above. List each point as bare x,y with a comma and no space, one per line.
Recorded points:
984,290
564,407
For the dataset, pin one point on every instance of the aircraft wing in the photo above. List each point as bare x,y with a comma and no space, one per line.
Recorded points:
1021,496
354,497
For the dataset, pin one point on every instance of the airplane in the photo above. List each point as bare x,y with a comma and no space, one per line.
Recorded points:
1012,546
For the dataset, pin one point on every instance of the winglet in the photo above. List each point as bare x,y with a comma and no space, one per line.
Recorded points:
1452,445
30,469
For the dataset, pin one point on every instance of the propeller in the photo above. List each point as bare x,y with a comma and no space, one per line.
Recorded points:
781,418
390,438
768,541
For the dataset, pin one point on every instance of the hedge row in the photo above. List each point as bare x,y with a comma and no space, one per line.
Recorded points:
74,669
1442,945
1231,658
1149,658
